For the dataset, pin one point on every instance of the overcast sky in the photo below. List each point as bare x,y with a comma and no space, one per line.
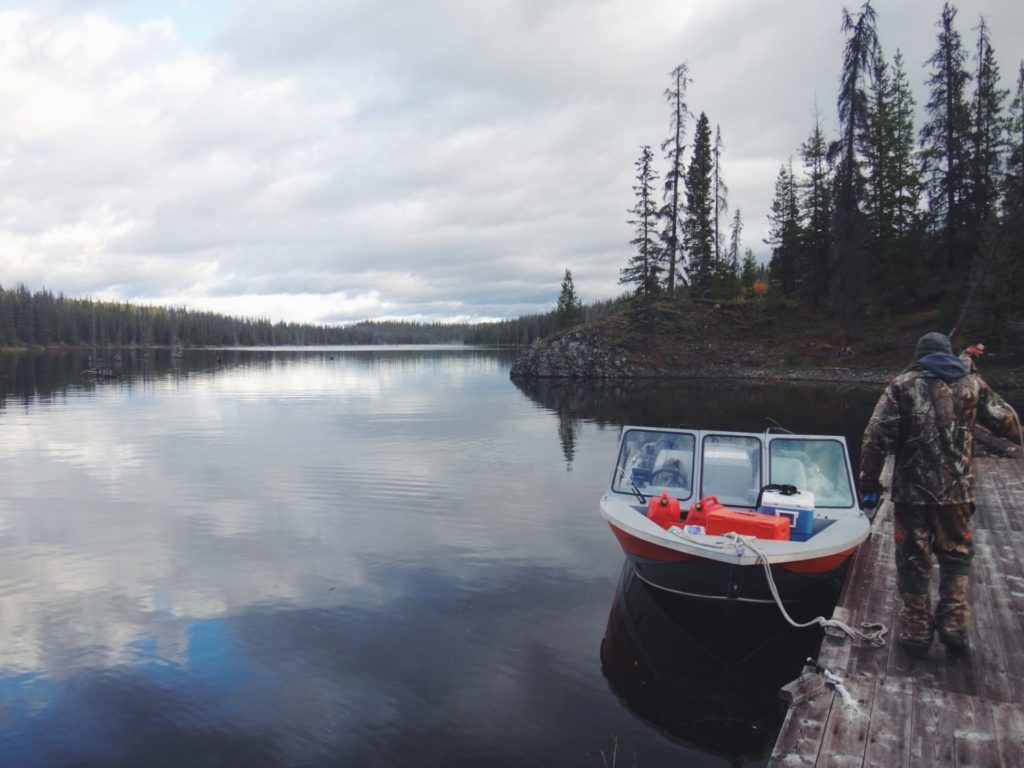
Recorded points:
335,160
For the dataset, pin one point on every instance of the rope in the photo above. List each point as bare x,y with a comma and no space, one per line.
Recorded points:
871,633
836,684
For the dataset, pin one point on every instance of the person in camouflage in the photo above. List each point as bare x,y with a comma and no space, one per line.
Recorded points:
925,418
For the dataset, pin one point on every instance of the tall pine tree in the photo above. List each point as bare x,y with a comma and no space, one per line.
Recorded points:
815,201
727,269
1013,187
720,194
988,138
643,271
673,147
699,228
893,184
749,273
569,309
848,223
784,234
945,143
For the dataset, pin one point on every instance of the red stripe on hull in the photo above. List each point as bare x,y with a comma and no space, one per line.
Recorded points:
825,564
634,546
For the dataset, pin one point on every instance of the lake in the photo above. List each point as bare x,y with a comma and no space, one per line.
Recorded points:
360,557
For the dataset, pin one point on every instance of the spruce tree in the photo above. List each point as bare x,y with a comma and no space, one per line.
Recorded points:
720,195
945,142
903,264
727,268
877,145
735,234
699,229
989,136
671,214
815,201
893,183
905,162
643,271
1001,283
848,224
1013,186
569,311
749,272
784,234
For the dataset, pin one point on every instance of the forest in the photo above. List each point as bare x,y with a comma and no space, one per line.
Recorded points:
883,217
41,319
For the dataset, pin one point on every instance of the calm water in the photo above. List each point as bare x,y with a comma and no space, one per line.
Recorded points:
372,557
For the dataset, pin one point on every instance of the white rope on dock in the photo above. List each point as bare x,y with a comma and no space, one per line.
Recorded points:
835,682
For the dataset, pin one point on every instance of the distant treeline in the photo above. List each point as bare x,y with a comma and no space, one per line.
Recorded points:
41,318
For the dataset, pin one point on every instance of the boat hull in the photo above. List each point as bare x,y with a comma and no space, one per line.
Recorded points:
706,579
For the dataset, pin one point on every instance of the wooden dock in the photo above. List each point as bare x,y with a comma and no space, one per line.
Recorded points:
942,710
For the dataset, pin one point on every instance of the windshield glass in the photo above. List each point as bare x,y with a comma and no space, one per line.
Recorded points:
815,465
731,469
654,462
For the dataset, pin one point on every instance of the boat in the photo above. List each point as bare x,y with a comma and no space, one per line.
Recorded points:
735,517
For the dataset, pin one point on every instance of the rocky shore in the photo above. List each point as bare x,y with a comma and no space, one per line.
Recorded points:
771,343
586,354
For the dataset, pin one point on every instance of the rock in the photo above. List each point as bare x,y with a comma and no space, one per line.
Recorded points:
577,354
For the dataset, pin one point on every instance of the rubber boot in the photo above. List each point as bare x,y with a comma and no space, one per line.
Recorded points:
918,626
953,615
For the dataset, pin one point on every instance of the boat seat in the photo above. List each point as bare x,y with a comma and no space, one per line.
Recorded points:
730,487
788,471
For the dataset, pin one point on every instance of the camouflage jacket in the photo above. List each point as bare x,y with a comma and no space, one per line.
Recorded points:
927,423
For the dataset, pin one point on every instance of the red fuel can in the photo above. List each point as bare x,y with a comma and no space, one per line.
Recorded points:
664,510
698,514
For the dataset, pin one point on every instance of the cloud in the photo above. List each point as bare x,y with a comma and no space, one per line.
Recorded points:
323,159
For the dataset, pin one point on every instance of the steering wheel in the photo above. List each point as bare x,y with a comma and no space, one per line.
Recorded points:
671,476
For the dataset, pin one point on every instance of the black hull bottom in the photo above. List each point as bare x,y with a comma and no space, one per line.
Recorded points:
713,581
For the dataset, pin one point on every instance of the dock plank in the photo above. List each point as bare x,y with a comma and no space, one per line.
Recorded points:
846,733
890,733
974,736
799,744
934,720
989,647
1008,722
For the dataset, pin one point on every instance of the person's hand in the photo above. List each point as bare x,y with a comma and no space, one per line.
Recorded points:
870,501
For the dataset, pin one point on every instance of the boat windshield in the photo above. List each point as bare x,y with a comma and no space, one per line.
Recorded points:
651,462
812,464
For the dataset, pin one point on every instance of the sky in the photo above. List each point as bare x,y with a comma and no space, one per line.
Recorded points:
329,161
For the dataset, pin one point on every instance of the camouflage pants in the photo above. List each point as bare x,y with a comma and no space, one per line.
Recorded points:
923,533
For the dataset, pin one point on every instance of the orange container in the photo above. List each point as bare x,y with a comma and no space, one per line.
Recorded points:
664,510
747,524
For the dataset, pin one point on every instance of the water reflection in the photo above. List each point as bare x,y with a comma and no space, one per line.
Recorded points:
288,558
705,678
34,376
